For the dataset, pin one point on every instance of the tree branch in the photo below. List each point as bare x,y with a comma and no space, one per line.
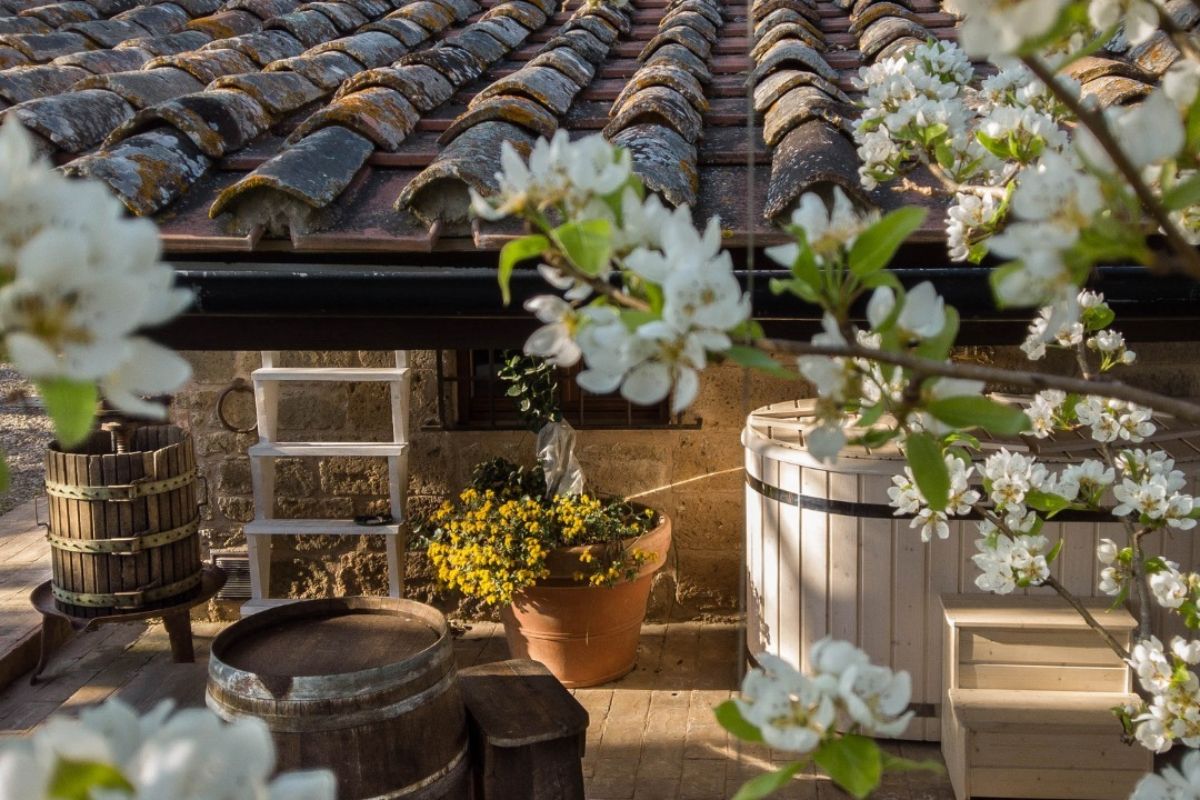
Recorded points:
1180,409
1092,622
1095,122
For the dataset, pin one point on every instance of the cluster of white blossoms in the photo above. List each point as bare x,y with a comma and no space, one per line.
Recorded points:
798,712
78,280
1007,562
906,497
1172,712
654,354
1151,491
110,753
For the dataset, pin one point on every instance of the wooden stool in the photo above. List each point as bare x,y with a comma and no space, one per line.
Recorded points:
527,732
58,626
1027,689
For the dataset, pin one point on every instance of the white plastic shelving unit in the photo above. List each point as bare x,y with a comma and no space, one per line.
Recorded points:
267,381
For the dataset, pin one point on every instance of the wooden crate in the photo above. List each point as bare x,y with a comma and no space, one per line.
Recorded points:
826,557
1028,690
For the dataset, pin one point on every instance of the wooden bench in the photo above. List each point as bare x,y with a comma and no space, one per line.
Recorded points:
1027,693
527,732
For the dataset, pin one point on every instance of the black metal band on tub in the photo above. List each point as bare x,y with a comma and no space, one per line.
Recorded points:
850,508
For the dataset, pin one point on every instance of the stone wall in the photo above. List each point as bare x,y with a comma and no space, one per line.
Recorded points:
693,475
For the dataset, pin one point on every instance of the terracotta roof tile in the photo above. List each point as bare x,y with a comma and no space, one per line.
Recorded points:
360,125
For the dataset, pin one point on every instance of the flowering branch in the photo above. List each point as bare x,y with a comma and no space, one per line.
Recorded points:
1037,381
1188,256
1091,620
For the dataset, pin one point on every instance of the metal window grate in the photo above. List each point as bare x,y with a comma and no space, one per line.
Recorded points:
472,397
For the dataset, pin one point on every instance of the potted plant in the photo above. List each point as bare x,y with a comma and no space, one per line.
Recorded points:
569,571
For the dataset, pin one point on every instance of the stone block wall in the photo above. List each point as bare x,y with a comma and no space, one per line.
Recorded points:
695,476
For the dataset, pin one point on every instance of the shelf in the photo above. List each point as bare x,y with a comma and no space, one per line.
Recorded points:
317,527
347,374
374,449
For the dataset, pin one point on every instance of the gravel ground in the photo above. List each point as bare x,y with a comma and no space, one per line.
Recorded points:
24,432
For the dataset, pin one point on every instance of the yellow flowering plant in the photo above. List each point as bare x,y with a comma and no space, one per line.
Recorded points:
495,540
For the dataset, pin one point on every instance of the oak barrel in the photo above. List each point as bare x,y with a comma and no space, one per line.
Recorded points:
124,521
365,686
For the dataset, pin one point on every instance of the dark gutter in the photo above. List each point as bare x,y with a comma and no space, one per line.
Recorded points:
361,306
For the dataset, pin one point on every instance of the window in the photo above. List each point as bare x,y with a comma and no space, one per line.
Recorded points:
472,397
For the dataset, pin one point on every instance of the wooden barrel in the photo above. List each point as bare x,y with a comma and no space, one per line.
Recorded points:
124,525
365,686
827,556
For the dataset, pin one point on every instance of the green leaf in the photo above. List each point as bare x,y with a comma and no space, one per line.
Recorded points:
75,780
72,406
1054,551
515,252
875,438
3,473
588,244
855,763
976,411
1183,195
1097,318
893,763
1046,502
929,469
754,358
875,247
633,319
768,783
731,719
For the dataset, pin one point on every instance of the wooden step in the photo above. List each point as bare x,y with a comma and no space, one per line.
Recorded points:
984,709
346,374
323,449
318,527
1030,613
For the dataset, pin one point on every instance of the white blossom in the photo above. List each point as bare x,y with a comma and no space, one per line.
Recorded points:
84,279
787,707
922,315
1172,784
1169,588
1001,27
828,230
188,755
1008,562
969,214
555,340
1148,132
1140,17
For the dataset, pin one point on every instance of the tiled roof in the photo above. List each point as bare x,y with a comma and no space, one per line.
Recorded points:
357,125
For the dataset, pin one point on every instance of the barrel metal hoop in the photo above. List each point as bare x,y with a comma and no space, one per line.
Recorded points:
125,545
428,787
847,508
121,493
126,600
328,721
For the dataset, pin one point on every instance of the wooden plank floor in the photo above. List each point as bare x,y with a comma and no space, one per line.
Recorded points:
24,563
652,735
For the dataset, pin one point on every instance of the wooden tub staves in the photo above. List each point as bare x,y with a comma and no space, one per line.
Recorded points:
123,526
826,556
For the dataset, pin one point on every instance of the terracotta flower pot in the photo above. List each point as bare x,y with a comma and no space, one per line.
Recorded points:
585,635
